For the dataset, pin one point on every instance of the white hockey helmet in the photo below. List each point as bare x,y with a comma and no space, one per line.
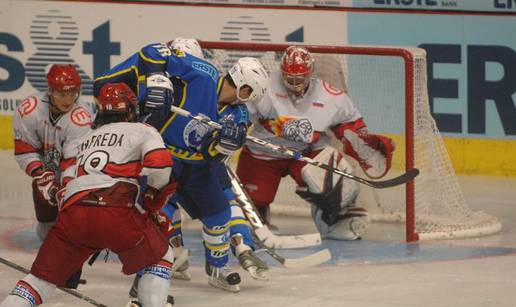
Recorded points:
188,45
249,71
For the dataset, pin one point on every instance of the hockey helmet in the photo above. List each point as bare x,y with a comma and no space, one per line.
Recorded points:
63,78
297,65
249,71
188,45
117,98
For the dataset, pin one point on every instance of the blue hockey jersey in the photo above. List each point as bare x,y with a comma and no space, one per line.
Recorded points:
196,83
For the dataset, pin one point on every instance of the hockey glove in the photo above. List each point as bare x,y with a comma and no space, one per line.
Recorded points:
154,199
163,222
230,138
373,152
47,186
158,99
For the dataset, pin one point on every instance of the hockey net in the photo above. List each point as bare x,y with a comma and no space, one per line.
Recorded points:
389,86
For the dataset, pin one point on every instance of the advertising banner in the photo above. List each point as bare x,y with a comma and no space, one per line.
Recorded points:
97,36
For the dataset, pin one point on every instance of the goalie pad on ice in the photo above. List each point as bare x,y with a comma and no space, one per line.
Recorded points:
333,198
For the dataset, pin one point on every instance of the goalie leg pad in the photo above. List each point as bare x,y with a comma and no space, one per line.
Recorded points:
155,282
351,225
333,198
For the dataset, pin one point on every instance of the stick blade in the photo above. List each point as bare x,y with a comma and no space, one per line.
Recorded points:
297,241
411,174
274,241
308,261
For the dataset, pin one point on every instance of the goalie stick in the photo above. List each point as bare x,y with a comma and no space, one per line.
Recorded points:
380,184
262,231
266,240
75,293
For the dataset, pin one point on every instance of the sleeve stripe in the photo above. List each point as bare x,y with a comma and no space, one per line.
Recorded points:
21,147
66,163
157,158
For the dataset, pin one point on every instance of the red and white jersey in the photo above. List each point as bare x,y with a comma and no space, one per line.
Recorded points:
43,141
119,152
299,123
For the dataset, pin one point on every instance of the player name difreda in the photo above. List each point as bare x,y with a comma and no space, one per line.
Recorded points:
102,140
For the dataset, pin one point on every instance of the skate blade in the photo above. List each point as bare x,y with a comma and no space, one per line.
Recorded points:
183,275
258,275
225,287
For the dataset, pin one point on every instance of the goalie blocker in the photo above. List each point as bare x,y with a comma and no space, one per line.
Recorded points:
333,198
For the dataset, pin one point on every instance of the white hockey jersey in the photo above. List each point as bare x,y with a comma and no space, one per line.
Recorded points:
119,152
43,141
298,124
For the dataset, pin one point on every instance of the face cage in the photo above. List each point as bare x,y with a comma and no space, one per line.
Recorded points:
296,83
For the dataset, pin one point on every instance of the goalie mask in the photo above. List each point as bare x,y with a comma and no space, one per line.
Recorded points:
249,72
116,99
297,65
188,45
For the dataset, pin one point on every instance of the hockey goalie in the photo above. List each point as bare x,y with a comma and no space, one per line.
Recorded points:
297,113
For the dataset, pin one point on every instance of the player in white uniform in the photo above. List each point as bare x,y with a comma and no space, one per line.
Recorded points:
47,127
296,113
111,159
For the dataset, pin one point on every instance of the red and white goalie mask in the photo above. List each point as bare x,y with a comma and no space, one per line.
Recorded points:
297,65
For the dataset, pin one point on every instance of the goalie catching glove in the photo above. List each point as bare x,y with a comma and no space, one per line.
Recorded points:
373,152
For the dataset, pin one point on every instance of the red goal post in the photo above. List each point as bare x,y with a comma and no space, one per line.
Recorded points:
389,86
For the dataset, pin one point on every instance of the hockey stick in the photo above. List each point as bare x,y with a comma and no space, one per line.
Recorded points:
302,262
75,293
404,178
262,231
266,240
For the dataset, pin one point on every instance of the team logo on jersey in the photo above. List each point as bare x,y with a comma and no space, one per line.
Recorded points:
194,133
290,127
298,130
27,106
207,69
331,89
81,117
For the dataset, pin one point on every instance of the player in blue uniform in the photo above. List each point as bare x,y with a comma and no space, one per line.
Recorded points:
242,244
153,73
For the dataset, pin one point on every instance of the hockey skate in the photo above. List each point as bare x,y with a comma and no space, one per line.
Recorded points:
133,295
181,265
223,278
248,259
